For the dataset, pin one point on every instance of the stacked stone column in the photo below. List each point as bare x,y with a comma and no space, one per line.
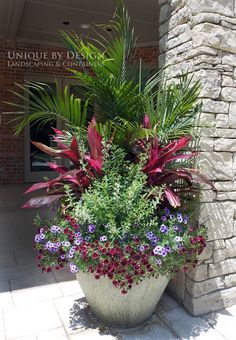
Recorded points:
199,37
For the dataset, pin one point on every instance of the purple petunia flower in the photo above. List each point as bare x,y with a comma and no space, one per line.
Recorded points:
175,227
163,252
65,243
180,217
158,262
163,218
168,248
63,256
73,268
172,217
167,211
78,234
78,241
42,236
55,229
87,238
37,238
91,228
150,235
142,248
158,250
185,220
178,239
154,240
164,229
103,238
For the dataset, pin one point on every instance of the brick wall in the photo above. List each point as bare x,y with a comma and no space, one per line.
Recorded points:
11,147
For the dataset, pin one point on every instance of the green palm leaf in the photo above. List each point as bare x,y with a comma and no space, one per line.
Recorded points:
46,105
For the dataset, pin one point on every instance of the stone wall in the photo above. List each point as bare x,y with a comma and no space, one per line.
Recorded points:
199,37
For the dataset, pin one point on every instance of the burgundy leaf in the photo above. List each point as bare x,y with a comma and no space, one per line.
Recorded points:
58,168
37,186
146,122
37,202
74,145
59,143
199,178
182,156
95,141
95,164
46,149
58,132
72,155
172,198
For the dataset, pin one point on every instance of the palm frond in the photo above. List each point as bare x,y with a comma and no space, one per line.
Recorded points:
41,103
172,107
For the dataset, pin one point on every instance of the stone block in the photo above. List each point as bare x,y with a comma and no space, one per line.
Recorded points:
225,133
177,286
215,106
228,93
207,252
198,273
210,83
217,165
207,196
218,218
229,59
163,43
226,196
204,287
232,115
230,245
227,81
204,17
206,144
180,39
210,302
178,30
219,255
222,121
218,244
228,25
207,119
225,144
216,6
180,17
215,36
230,280
225,186
163,29
164,13
222,268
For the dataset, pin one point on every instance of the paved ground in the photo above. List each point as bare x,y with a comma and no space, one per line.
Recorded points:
52,306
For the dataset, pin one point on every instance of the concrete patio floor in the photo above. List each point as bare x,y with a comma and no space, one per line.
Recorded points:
52,306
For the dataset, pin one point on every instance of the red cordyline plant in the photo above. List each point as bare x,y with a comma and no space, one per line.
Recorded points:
163,167
86,167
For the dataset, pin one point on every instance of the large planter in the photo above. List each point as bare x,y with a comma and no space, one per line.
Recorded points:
117,310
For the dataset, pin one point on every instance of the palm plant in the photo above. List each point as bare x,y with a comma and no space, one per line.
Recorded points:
121,100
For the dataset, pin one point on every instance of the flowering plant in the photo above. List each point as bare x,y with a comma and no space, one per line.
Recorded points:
118,229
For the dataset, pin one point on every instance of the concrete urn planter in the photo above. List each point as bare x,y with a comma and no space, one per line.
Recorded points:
117,310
